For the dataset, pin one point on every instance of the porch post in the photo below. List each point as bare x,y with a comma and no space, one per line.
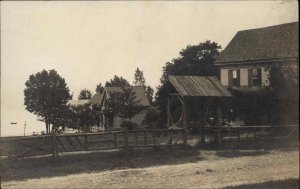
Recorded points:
168,111
219,129
202,122
184,112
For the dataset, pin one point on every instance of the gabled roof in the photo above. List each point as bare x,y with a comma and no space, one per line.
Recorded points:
96,99
269,43
139,93
199,86
77,102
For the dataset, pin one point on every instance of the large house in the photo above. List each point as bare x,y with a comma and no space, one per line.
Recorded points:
245,61
245,66
106,122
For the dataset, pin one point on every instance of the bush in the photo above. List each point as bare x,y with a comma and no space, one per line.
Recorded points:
129,125
153,119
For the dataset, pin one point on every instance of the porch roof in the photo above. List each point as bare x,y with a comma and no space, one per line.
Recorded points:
199,86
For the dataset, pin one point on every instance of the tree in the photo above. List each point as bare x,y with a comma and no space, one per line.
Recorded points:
193,60
139,79
99,89
124,104
149,93
117,82
85,94
45,94
84,117
284,94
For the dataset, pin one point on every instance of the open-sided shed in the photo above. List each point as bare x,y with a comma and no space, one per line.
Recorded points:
196,86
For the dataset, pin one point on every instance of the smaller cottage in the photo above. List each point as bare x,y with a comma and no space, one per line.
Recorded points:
113,122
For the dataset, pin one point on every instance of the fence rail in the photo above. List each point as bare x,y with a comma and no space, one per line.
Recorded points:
246,133
54,144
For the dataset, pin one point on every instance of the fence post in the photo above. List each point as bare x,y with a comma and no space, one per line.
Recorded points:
219,128
184,137
126,148
54,146
115,140
145,138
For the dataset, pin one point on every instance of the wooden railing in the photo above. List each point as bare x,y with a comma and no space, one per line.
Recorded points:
246,133
54,144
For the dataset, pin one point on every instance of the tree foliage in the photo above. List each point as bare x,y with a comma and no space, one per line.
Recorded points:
193,60
99,89
46,95
149,93
124,104
139,79
284,94
84,117
117,82
85,94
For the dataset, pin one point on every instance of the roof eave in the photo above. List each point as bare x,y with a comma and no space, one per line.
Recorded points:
225,63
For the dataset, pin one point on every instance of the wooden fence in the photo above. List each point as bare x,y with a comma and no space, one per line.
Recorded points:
54,144
248,133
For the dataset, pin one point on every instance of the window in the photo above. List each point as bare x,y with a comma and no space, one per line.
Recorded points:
234,78
255,77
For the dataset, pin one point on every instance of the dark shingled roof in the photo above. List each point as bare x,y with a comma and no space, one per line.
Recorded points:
139,93
96,99
269,43
199,86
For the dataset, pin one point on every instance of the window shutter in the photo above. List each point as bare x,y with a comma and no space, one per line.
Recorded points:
238,78
230,75
259,76
250,80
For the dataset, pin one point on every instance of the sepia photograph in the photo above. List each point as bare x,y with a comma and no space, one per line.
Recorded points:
149,94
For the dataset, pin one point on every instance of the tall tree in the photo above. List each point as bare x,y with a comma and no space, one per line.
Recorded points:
83,117
85,94
99,89
45,94
139,79
149,93
193,60
129,106
284,94
117,82
124,104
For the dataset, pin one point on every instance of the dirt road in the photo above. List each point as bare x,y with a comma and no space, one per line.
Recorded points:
212,172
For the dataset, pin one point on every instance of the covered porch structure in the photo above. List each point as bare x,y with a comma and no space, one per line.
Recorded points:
200,89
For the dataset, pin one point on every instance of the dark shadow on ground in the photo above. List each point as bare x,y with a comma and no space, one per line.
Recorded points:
234,154
94,162
253,145
281,184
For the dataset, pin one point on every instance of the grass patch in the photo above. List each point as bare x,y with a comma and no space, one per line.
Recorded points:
278,184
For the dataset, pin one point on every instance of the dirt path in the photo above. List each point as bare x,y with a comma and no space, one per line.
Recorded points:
213,172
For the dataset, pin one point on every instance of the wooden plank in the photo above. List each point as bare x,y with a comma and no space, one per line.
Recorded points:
100,141
70,142
35,147
125,134
115,140
86,142
59,141
31,146
77,139
145,138
136,139
160,138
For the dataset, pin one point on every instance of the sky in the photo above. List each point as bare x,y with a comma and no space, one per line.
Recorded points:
90,42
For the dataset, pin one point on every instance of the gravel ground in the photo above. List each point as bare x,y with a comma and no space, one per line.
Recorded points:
211,169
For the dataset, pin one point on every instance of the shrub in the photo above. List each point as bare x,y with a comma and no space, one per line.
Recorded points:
129,125
153,119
